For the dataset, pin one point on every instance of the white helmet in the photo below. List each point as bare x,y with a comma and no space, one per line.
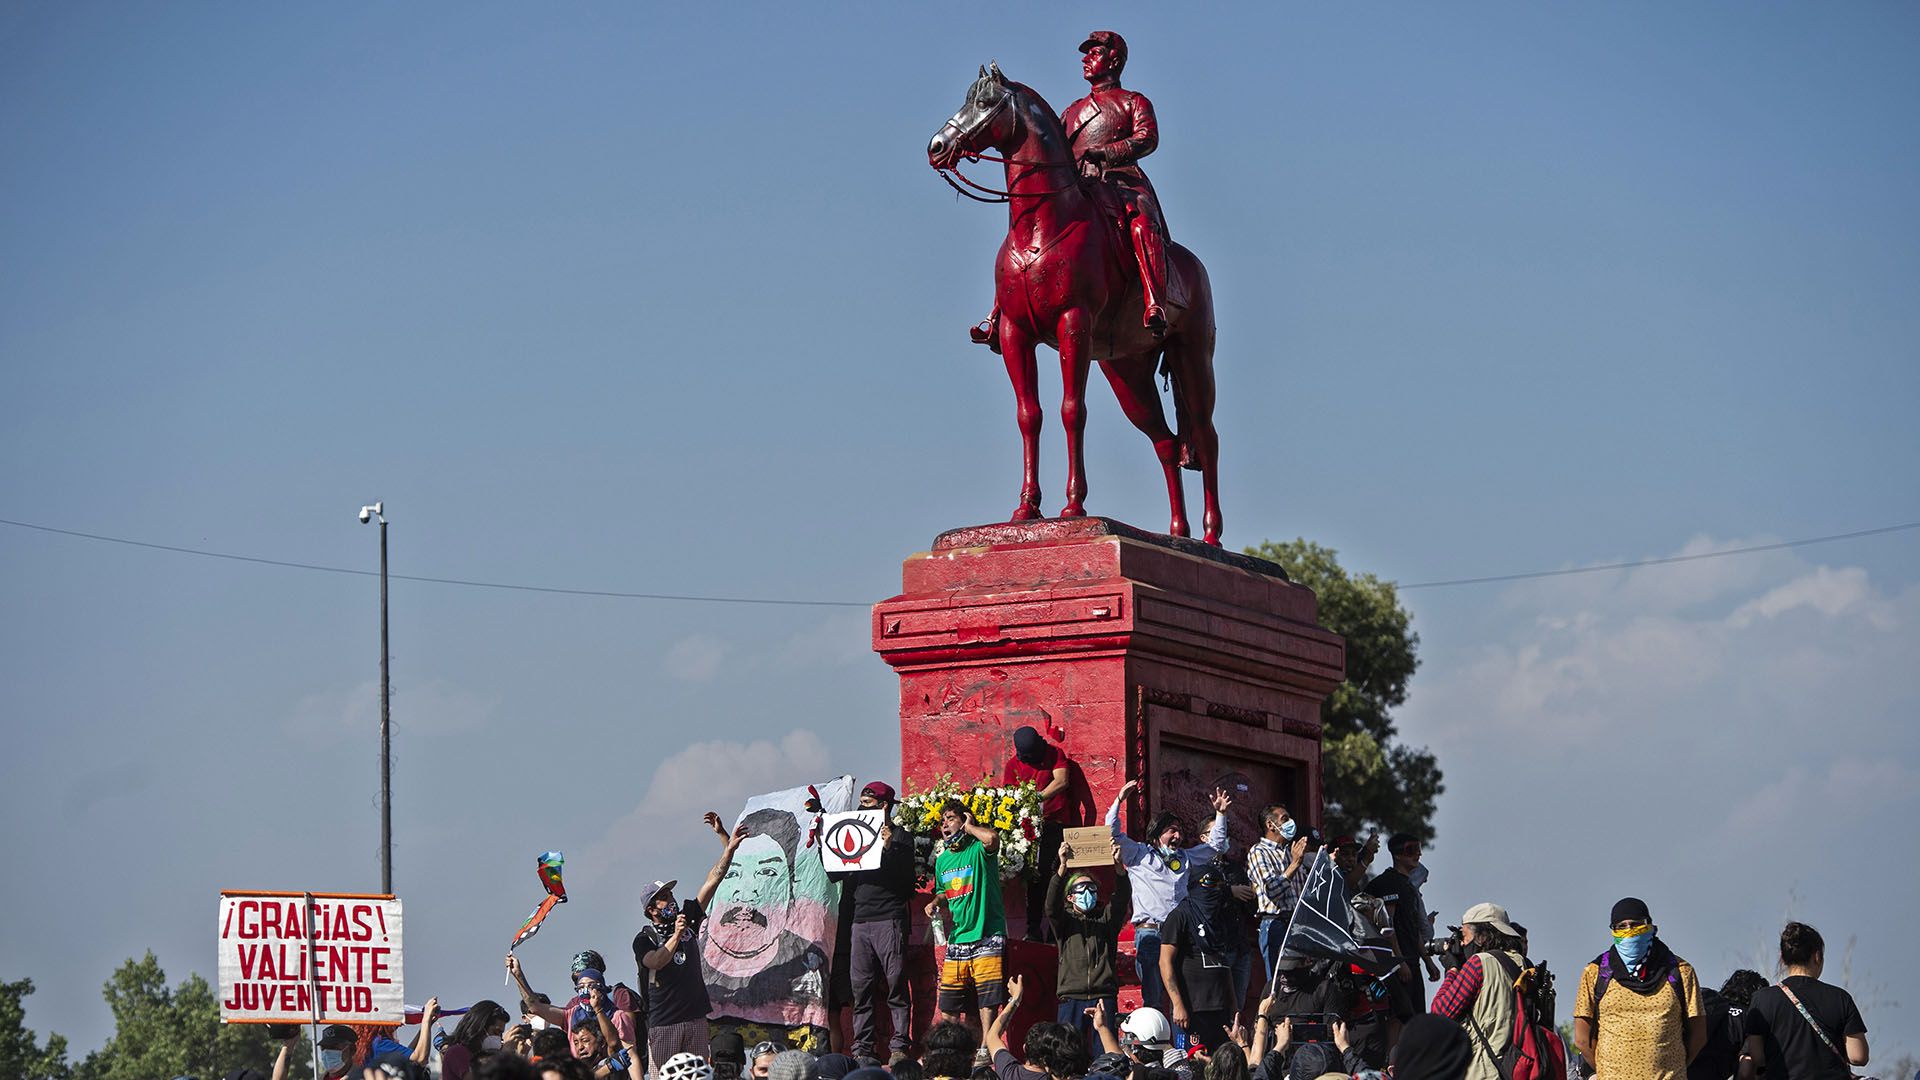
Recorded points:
1147,1028
684,1066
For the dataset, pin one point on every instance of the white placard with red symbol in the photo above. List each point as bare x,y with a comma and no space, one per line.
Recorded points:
851,841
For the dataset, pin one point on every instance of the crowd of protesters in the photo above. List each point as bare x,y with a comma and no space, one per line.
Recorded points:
1200,919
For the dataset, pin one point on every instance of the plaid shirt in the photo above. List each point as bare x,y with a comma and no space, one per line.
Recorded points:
1274,893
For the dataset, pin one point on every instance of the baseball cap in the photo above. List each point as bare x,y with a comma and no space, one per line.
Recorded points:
339,1036
658,887
1493,915
881,790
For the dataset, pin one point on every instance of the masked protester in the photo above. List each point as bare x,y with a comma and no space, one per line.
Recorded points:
1158,870
1044,765
1199,943
1638,1012
966,881
1086,921
667,951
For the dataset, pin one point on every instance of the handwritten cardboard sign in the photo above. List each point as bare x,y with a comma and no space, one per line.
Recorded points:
1092,846
298,958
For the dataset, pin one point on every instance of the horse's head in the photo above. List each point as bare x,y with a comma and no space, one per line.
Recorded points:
987,118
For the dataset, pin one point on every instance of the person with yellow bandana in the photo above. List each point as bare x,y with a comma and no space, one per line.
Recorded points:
1638,1013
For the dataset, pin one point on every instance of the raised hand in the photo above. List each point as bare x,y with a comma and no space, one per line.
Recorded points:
1016,985
513,965
713,822
680,925
1066,855
1221,800
1129,788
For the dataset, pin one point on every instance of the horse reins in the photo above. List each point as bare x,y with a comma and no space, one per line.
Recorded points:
1000,196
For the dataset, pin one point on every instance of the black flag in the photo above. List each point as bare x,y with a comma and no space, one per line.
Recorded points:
1322,924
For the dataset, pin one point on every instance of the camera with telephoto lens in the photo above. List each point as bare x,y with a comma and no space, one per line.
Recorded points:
1451,951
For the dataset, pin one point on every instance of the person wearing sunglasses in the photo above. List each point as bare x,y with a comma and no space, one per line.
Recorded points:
1638,1012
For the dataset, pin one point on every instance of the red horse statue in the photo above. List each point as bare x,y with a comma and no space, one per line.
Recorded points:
1067,276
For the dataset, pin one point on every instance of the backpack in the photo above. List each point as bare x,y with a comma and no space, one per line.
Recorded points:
1536,1051
1605,978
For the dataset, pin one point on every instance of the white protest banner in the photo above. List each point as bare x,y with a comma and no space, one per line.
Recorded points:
300,958
851,840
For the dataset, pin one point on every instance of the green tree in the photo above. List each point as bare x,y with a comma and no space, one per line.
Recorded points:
21,1056
162,1032
1370,779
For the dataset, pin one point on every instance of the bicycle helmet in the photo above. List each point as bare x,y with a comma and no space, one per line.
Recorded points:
685,1066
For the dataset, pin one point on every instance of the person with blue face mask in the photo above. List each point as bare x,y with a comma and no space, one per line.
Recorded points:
1638,1011
1087,920
1273,869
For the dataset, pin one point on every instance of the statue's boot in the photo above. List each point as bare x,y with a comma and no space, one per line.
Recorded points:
1150,251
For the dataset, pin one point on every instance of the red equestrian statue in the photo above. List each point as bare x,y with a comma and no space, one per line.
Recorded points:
1083,231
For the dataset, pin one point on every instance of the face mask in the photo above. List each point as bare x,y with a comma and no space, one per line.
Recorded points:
1289,830
1634,945
491,1042
1084,900
332,1061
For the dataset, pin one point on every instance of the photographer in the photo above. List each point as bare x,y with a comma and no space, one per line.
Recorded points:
1479,992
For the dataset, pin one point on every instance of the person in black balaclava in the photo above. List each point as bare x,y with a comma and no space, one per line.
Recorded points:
1431,1048
1199,943
1040,763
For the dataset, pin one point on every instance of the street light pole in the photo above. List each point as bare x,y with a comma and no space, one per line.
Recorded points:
386,726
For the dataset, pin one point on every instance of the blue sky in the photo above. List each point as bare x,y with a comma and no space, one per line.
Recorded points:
666,299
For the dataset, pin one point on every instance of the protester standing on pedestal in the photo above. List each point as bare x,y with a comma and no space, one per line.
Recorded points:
1040,763
667,951
1638,1012
1790,1044
1273,868
966,879
1199,941
1158,871
1407,916
878,931
1087,928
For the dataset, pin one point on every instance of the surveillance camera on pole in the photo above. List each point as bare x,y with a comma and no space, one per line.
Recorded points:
369,513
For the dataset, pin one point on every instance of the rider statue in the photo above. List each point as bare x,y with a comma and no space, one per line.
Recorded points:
1111,129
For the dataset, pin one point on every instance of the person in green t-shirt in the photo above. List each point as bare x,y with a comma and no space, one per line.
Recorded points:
966,878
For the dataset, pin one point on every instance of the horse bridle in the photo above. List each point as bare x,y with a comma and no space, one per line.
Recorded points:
965,136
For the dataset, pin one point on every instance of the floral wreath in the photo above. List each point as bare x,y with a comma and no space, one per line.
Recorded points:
1013,810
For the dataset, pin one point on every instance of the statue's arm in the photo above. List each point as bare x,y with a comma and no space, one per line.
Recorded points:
1145,138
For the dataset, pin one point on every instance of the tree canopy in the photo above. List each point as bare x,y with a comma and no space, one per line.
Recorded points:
161,1032
1370,778
21,1055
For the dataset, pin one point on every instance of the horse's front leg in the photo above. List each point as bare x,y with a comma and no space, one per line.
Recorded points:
1075,359
1017,349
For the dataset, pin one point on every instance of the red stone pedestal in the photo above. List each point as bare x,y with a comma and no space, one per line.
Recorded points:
1141,655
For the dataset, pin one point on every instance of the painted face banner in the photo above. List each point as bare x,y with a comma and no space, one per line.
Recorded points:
769,931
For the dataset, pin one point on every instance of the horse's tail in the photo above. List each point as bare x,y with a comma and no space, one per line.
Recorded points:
1189,345
1182,417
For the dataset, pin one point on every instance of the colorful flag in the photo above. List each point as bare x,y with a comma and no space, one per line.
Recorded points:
549,870
532,925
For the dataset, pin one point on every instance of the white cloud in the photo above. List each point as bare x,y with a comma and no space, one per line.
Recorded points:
1830,592
696,658
662,834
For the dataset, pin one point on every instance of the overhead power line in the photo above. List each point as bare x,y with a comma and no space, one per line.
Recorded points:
1661,561
437,580
697,598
